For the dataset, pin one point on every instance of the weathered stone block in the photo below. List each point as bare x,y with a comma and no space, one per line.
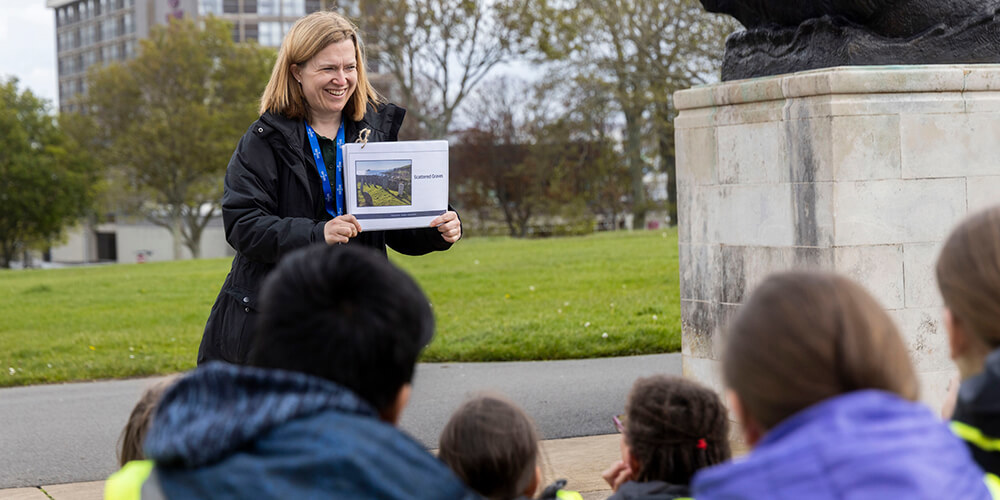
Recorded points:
813,212
809,160
925,337
700,269
754,214
983,192
699,321
752,154
919,260
877,268
955,145
897,211
865,147
696,156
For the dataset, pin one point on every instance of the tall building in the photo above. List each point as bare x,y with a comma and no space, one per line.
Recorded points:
92,32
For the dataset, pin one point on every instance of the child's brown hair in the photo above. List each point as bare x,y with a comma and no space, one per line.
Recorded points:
968,274
134,433
673,428
803,337
492,446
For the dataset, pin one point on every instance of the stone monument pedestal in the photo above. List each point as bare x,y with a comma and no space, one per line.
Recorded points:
859,170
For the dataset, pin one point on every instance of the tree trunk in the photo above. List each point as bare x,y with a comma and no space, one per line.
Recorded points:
669,160
633,135
176,236
7,255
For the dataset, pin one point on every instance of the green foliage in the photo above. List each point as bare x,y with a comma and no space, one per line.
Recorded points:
494,299
46,180
435,52
171,117
381,197
638,52
546,172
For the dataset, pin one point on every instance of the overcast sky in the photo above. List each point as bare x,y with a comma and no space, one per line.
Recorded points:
28,46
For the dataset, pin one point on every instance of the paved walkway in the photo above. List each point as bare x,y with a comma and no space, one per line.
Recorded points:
63,437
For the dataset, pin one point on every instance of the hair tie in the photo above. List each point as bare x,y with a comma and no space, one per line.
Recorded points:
702,444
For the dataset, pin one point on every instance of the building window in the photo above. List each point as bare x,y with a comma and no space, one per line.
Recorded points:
236,33
230,6
270,34
267,7
206,7
313,6
294,8
250,31
249,6
108,29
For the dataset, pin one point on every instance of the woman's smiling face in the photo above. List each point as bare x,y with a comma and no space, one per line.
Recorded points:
329,80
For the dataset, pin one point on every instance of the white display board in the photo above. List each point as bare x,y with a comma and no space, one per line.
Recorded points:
396,185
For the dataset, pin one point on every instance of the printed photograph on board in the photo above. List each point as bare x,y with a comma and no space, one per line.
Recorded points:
384,183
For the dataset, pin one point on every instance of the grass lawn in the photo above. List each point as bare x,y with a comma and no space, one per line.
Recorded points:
494,298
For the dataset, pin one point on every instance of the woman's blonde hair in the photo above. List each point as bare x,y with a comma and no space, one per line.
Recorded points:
968,274
804,337
311,34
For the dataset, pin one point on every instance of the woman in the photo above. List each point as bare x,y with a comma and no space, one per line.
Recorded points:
824,391
276,196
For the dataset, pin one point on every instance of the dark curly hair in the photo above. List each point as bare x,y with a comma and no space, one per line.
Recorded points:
673,427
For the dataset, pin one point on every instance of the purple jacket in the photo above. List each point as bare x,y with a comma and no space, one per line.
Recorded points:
861,445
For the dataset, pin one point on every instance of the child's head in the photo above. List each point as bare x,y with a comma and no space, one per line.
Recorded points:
673,428
968,274
346,314
492,446
134,433
803,337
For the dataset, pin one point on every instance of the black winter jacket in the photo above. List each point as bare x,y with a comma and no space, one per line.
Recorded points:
978,408
650,490
272,204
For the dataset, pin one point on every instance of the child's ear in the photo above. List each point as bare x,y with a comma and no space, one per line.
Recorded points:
533,485
958,342
393,413
630,459
752,430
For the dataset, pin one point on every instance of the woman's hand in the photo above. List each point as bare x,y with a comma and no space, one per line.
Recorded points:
617,474
449,225
341,229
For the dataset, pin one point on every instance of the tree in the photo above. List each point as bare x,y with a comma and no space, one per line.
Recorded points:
45,179
436,52
640,51
530,162
170,118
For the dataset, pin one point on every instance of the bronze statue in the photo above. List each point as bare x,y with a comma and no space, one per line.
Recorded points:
785,36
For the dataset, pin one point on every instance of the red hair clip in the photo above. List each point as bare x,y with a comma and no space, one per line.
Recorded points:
702,444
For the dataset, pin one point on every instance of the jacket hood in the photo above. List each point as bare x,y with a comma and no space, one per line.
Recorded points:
219,408
865,444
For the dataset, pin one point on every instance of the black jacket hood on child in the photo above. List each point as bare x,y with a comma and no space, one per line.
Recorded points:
272,204
977,414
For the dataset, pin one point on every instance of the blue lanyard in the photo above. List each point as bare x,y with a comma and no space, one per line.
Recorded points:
321,168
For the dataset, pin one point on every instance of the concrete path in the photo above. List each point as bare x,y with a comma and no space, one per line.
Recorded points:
57,434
